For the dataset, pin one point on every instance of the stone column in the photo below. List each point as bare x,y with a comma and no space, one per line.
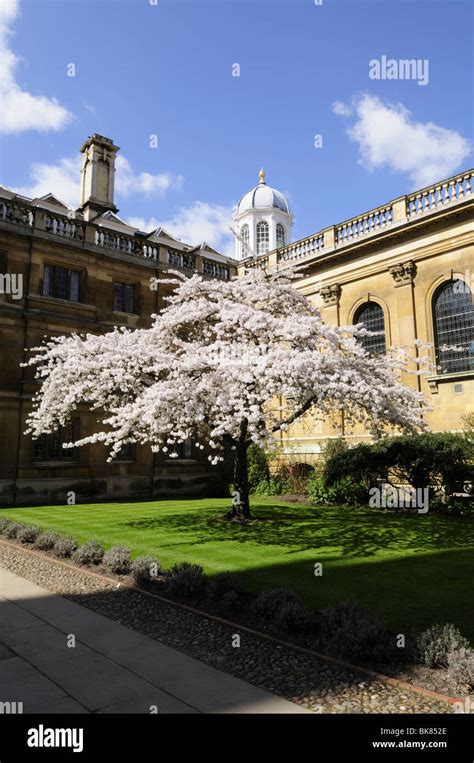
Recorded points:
403,275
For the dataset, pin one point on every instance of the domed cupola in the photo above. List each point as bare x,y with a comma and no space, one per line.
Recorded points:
262,221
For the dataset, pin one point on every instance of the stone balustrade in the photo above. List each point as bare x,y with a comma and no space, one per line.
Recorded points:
215,269
432,197
429,200
15,213
304,248
452,191
181,260
364,225
65,227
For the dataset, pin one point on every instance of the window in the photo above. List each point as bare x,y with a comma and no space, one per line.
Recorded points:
262,237
280,231
61,283
244,234
371,316
125,297
126,453
49,447
453,317
186,449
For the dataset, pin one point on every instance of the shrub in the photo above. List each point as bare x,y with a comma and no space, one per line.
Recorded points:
4,523
64,547
436,643
269,603
294,618
28,534
144,569
364,464
461,667
219,586
257,466
430,459
117,559
273,486
12,530
295,477
349,630
344,491
186,580
319,494
90,552
46,540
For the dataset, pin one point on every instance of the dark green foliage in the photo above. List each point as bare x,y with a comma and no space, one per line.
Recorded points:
219,585
283,611
272,486
257,466
343,491
430,459
187,580
351,631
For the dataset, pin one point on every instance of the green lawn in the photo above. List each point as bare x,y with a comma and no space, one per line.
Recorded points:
413,570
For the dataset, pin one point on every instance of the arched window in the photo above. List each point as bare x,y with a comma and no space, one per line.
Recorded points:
453,317
244,235
280,231
371,315
262,237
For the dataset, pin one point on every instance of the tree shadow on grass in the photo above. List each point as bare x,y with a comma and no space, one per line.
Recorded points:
352,532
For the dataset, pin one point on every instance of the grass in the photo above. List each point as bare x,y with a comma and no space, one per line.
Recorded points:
413,570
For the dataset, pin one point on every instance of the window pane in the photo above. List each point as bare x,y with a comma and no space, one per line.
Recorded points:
454,327
262,237
60,283
48,281
128,298
74,285
118,297
371,316
280,235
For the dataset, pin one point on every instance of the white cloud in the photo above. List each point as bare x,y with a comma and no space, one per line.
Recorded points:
341,109
128,183
63,180
199,222
21,110
388,136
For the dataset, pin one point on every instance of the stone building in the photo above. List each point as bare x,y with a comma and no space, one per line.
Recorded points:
405,268
82,270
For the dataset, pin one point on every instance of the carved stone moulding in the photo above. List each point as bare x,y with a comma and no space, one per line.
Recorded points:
403,273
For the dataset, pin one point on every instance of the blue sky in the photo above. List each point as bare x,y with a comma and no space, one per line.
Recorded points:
166,69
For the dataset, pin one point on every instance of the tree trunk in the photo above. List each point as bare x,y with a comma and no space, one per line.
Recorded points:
240,499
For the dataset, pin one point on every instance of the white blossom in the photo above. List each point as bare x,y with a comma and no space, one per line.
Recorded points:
219,354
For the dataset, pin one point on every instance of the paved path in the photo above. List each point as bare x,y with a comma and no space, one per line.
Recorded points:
112,669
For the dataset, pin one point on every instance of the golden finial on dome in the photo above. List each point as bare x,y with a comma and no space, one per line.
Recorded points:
261,176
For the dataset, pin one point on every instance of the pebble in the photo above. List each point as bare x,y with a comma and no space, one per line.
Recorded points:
306,680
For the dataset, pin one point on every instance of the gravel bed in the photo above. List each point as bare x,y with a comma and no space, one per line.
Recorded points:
309,681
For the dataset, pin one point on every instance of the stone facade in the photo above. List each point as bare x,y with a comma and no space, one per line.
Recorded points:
397,256
82,270
86,270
